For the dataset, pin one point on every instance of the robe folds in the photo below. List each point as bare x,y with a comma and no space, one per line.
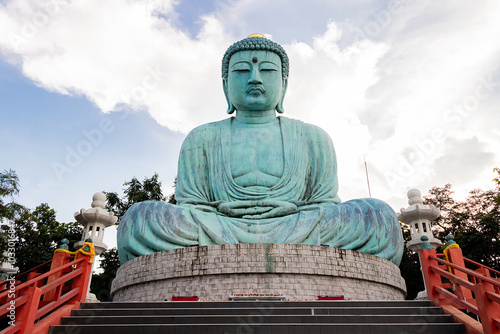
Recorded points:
309,181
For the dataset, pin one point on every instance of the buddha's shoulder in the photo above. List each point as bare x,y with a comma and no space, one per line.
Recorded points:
308,130
208,131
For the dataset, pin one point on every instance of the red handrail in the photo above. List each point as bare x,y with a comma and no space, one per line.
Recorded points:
479,265
31,307
20,276
472,290
467,271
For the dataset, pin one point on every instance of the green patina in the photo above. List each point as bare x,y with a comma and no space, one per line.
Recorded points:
258,178
255,44
87,248
425,242
64,244
450,240
270,260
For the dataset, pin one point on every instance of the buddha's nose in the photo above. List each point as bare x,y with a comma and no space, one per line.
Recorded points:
254,77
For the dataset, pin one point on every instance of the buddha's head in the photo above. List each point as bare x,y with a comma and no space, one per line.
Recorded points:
255,75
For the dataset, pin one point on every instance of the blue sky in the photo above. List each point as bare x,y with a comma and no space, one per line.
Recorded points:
93,93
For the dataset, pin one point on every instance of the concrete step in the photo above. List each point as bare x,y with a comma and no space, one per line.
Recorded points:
259,310
238,319
260,317
332,303
262,328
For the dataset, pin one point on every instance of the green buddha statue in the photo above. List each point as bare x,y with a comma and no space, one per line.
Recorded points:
257,177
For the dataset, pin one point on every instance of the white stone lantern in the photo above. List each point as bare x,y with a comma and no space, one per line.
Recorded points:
94,221
419,217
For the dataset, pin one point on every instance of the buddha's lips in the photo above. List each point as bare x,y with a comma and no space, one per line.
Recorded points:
252,88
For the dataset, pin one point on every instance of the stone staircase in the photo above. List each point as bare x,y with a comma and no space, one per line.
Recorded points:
269,317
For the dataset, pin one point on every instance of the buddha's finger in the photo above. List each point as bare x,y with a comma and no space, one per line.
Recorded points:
246,211
258,210
229,211
252,217
279,212
226,209
235,212
278,204
236,205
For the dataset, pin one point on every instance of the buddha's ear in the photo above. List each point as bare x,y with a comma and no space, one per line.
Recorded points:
279,107
230,106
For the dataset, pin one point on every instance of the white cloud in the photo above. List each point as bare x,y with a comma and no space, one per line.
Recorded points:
462,164
383,86
118,52
327,87
440,53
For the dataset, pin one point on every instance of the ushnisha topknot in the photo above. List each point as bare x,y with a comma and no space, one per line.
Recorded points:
256,42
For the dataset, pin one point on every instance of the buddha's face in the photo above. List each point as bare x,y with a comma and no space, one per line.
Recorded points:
254,81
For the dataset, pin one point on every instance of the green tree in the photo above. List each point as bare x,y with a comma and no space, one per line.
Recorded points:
101,283
410,268
135,191
475,222
9,187
171,198
39,234
37,231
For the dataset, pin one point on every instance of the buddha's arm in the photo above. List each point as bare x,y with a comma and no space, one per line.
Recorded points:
193,185
323,178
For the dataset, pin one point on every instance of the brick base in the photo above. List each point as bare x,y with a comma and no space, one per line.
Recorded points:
299,272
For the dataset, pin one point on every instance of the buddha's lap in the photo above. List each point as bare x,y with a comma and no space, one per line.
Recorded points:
366,225
357,209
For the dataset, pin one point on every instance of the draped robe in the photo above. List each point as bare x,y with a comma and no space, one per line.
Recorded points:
309,180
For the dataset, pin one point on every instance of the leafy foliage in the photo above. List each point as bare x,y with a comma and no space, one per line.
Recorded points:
37,231
9,183
101,283
171,198
39,234
475,224
410,268
9,187
135,192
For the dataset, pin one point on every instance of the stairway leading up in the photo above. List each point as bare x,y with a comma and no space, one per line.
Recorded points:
269,317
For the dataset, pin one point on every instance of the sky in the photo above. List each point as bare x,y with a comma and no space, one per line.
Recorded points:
93,93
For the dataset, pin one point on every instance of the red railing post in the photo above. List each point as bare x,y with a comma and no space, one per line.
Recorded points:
474,290
488,309
83,280
27,302
58,260
26,314
456,257
431,279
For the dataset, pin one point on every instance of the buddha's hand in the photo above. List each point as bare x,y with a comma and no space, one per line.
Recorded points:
257,209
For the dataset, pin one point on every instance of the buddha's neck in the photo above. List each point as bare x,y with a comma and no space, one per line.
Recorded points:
255,117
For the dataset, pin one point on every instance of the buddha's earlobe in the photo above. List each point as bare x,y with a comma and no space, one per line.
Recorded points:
230,106
279,107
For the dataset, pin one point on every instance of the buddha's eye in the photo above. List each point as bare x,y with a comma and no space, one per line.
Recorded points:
268,67
242,67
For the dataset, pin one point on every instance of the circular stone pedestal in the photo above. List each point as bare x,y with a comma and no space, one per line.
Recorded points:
296,272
